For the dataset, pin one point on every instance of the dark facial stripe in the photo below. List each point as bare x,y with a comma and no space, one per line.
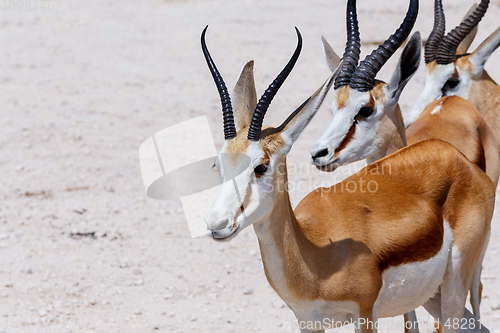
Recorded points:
348,137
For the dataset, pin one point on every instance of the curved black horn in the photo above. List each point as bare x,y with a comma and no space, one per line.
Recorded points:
267,97
449,44
363,78
352,48
437,34
225,99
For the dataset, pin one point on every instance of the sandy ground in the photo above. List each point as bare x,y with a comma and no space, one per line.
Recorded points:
82,248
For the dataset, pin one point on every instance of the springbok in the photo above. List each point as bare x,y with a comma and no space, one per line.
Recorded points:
360,100
450,71
352,136
344,255
360,104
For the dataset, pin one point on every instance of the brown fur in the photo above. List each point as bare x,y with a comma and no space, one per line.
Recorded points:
464,64
342,97
272,143
378,93
390,139
371,102
239,143
459,123
338,249
484,93
431,66
337,243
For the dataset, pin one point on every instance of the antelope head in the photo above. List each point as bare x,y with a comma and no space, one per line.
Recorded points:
449,69
251,162
361,101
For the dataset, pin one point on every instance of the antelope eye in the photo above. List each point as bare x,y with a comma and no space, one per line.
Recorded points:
452,83
260,169
364,113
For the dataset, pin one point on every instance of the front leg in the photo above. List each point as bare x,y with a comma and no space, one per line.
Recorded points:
367,322
411,322
472,324
310,327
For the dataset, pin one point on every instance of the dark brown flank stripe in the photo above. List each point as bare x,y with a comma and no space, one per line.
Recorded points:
481,158
424,246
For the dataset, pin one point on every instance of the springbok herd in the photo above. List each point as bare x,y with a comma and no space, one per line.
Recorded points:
419,238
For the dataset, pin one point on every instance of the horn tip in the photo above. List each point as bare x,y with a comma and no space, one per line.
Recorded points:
298,33
204,32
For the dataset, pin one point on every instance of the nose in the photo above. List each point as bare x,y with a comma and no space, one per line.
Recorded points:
321,152
219,225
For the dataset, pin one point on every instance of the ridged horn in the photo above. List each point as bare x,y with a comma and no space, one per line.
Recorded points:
448,46
267,97
437,34
225,98
352,49
363,78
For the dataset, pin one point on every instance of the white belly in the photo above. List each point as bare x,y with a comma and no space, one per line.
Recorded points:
408,286
317,315
405,288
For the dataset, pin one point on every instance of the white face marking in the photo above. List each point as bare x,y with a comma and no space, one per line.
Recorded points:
343,120
408,286
442,81
434,83
241,188
437,108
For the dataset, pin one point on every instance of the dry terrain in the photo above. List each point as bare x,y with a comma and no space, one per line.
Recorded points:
84,83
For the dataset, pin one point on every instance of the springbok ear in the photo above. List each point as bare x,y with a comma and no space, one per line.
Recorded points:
293,126
465,44
332,59
479,57
244,97
406,68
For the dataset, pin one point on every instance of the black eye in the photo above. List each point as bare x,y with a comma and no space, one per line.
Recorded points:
452,83
364,113
260,169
